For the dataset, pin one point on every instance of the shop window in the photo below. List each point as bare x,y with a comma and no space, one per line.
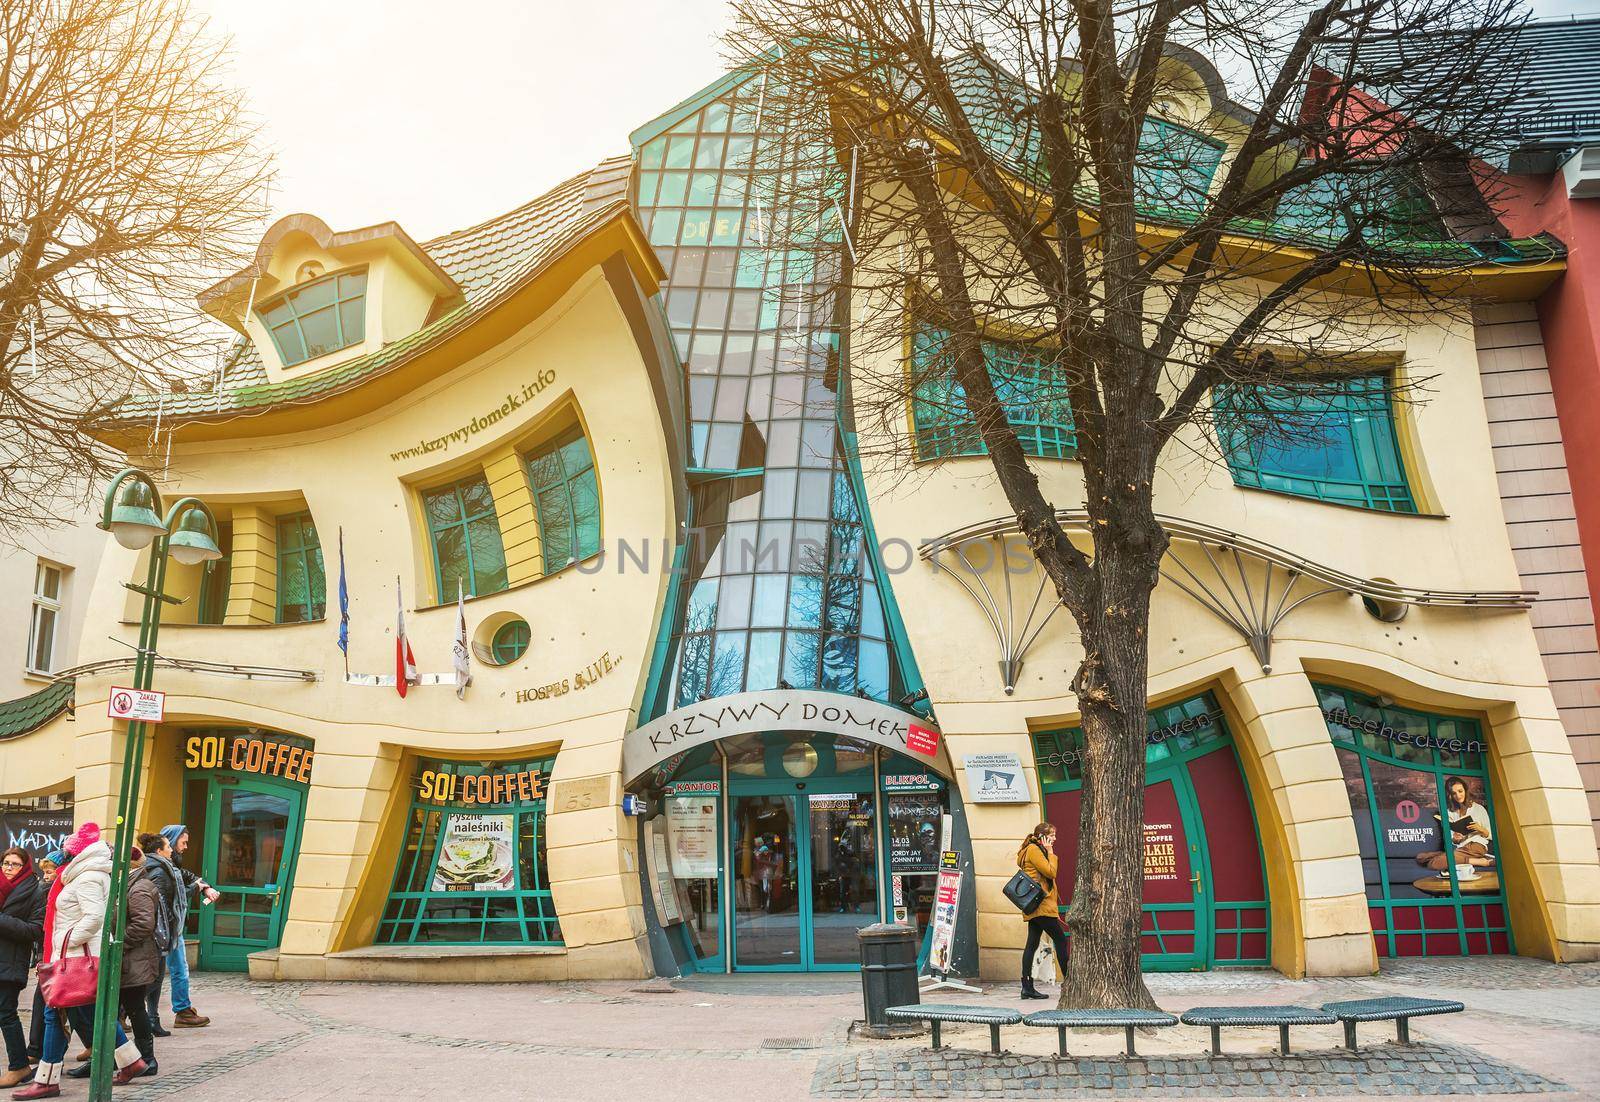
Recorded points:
567,499
510,642
465,532
472,866
215,579
1033,392
1174,167
47,594
319,317
1424,816
1333,441
302,586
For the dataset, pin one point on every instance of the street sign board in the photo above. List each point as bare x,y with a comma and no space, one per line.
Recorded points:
137,704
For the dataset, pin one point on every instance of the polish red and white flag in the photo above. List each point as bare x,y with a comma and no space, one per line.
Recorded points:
405,663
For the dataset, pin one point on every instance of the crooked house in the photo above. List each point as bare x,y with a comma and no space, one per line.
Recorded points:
619,427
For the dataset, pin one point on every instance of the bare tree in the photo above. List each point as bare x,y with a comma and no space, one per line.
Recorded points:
991,169
129,176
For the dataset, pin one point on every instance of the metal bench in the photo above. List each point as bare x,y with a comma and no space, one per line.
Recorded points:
937,1013
1129,1020
1399,1009
1281,1016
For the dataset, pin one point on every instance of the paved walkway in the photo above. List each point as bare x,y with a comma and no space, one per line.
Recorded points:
1531,1030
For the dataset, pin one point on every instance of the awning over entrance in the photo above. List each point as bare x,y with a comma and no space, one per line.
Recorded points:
772,710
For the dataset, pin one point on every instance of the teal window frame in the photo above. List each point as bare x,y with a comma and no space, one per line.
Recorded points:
1175,734
1032,392
510,641
300,551
566,500
1174,167
1358,422
479,529
1440,763
415,914
285,317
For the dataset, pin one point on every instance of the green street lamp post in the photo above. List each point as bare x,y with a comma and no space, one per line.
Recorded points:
132,515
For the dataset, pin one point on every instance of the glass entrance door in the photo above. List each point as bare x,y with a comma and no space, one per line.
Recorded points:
805,879
252,836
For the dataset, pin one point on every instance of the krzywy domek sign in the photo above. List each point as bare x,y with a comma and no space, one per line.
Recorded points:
700,761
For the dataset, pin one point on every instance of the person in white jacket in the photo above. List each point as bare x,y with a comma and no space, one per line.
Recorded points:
74,918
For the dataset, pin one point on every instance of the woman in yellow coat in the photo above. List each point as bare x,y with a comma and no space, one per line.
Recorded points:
1037,859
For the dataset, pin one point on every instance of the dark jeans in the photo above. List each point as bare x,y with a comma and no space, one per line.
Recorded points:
36,1027
133,1005
1044,925
11,1027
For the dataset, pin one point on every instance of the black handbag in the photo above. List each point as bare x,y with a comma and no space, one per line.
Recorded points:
1024,891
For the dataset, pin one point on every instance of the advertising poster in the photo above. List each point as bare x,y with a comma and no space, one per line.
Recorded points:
477,854
664,889
1412,831
38,832
914,831
692,836
946,898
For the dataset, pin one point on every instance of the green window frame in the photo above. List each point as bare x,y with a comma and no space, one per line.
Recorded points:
1451,746
318,317
1032,392
1174,733
302,584
1175,167
566,497
1330,441
510,641
524,915
464,530
216,578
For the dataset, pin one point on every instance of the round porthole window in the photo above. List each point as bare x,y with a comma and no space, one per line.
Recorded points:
510,642
1385,608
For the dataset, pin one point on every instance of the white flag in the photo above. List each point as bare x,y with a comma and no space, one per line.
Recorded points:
459,648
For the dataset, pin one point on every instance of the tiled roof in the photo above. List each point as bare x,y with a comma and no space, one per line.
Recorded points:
486,261
29,713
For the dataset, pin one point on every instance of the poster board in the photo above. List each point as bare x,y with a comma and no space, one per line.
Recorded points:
946,901
478,853
692,836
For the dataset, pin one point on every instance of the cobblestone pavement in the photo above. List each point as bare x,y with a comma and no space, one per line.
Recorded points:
1532,1030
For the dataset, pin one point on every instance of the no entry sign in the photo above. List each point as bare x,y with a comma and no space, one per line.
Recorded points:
140,704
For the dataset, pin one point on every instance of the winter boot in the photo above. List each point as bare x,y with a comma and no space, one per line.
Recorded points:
46,1084
1031,992
190,1019
15,1077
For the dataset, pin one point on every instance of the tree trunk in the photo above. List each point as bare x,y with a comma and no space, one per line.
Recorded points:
1107,905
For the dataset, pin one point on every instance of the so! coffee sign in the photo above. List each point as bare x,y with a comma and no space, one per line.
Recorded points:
137,704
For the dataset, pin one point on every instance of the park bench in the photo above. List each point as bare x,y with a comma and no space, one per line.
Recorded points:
936,1014
1129,1020
1281,1016
1399,1009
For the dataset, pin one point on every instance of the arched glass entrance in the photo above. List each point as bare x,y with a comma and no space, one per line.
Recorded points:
813,835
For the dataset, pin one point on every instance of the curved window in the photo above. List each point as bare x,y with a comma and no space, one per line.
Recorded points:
319,317
302,586
1407,772
567,499
465,532
472,866
510,642
1033,392
1333,441
1174,168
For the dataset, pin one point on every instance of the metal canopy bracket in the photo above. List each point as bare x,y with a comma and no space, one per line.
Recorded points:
1222,585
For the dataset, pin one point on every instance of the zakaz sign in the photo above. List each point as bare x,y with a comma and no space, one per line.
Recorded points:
768,710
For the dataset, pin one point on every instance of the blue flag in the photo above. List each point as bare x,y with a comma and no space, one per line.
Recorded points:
344,601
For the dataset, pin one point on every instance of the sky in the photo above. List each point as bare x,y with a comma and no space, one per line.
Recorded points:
439,115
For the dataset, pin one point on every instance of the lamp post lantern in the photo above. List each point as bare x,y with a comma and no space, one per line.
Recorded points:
188,533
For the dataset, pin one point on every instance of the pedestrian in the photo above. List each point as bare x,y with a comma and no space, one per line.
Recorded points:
144,939
48,866
177,961
74,916
21,932
168,881
1037,859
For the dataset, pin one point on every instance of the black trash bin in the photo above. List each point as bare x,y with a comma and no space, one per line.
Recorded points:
888,977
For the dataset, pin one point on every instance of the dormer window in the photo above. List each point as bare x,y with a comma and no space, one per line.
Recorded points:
319,317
